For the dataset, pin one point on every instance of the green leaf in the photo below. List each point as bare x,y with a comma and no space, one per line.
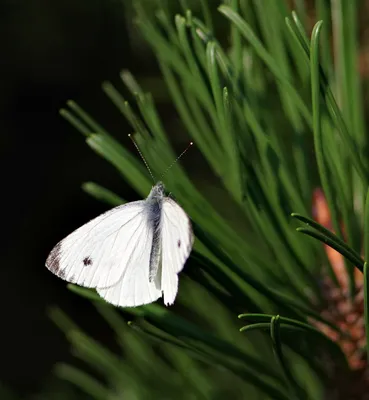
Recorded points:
102,194
83,381
277,349
331,237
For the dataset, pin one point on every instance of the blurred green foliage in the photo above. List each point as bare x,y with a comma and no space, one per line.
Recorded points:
259,107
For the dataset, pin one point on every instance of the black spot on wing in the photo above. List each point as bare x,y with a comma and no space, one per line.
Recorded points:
87,261
189,227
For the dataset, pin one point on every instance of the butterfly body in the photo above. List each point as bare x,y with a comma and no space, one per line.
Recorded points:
155,207
130,254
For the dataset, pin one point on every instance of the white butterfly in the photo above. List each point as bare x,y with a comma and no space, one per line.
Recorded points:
131,254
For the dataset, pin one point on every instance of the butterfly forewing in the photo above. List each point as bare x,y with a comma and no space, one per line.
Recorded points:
98,253
177,241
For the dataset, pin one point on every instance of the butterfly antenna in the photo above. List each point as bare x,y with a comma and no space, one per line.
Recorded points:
171,165
143,158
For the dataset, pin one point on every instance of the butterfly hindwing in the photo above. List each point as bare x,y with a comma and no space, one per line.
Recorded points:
177,241
135,287
98,253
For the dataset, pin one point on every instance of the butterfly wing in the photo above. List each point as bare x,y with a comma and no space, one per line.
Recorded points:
135,288
98,253
177,241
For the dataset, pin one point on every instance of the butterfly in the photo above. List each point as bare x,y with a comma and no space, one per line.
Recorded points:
131,254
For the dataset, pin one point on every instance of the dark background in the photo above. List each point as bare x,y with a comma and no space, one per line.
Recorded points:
51,51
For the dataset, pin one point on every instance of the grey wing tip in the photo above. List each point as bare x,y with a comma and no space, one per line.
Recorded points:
53,261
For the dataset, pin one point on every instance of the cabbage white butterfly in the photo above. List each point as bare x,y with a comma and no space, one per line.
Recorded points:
131,254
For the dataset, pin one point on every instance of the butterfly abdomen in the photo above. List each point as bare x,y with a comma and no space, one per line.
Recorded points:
155,206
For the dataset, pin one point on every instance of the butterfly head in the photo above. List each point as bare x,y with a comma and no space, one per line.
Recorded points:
157,191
